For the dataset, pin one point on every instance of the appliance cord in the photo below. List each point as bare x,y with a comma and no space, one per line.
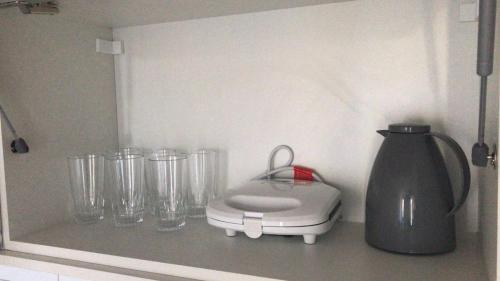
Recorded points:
287,167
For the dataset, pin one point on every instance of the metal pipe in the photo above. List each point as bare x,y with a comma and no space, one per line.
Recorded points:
47,7
482,110
486,37
7,121
9,4
18,145
485,50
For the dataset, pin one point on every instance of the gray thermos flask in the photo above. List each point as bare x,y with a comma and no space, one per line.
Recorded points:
410,207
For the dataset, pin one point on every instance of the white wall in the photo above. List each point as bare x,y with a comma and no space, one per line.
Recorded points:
60,95
321,79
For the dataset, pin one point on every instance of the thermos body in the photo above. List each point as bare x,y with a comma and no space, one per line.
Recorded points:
409,201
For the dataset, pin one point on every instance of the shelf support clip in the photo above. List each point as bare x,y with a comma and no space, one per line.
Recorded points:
109,47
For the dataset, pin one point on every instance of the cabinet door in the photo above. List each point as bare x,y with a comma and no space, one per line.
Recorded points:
8,273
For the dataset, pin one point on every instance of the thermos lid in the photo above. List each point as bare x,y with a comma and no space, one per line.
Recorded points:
407,128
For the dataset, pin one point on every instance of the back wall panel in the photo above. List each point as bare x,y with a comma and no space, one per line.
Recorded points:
321,79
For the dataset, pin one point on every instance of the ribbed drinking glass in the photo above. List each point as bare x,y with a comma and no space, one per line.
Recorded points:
125,173
202,181
168,180
150,199
86,176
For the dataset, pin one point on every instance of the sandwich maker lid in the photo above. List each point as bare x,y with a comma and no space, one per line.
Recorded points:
277,203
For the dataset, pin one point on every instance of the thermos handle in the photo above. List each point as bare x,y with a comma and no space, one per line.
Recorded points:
464,166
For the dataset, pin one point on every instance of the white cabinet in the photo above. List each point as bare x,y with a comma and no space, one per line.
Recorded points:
9,273
321,78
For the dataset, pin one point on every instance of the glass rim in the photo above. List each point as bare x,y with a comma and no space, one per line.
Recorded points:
163,148
85,156
203,151
165,151
168,158
125,150
123,156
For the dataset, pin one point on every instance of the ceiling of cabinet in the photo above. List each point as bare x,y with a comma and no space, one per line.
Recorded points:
120,13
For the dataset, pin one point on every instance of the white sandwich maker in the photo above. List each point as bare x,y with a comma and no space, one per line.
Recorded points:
277,206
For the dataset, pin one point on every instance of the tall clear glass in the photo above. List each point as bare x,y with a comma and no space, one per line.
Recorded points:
202,181
125,173
150,199
86,176
117,152
168,180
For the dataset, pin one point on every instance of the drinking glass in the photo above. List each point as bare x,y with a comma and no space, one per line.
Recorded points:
168,183
86,176
202,176
150,199
116,152
125,179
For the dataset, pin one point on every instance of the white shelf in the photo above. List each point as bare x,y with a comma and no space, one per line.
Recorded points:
80,270
341,254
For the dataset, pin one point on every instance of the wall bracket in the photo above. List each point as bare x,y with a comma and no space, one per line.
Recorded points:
492,158
109,47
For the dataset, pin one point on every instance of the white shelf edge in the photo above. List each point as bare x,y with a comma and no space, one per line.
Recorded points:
3,194
131,263
67,270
